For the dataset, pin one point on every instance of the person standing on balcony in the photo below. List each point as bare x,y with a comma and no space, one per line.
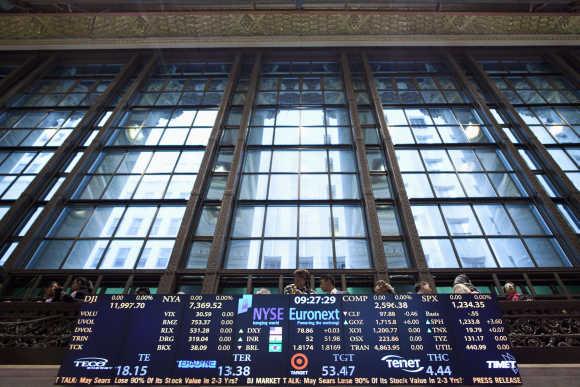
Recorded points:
301,283
511,293
462,285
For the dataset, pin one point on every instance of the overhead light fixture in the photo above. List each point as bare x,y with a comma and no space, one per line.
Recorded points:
472,131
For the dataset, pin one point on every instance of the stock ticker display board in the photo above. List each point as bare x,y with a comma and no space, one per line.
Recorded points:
303,339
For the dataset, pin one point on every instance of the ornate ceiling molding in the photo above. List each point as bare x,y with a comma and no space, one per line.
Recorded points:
298,28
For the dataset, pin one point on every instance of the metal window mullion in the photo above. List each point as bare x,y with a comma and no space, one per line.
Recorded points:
560,64
184,236
51,210
219,242
400,195
20,72
16,82
62,154
527,178
370,206
546,161
28,73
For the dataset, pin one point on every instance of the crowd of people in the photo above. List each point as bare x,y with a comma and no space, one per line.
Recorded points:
461,285
82,287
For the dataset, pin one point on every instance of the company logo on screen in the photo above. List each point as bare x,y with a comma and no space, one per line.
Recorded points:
508,363
92,363
315,317
299,362
244,303
267,316
196,364
399,363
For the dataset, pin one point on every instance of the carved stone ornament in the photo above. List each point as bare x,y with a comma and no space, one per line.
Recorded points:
286,28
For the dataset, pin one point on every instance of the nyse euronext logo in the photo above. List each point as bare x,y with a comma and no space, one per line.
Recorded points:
314,316
267,316
274,315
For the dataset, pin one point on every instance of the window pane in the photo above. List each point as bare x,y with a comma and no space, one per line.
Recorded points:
494,219
224,161
70,222
248,222
315,221
285,161
121,187
527,219
474,253
287,136
313,161
425,135
122,254
477,185
167,222
85,254
348,221
162,162
376,160
254,187
446,185
417,186
511,252
436,160
439,253
257,161
136,222
352,254
547,252
151,187
243,254
189,162
315,254
409,161
464,160
95,187
180,187
396,255
395,117
207,221
103,222
504,184
260,136
281,221
50,255
460,220
428,221
155,255
312,136
283,187
198,255
388,220
491,160
279,254
344,186
216,188
380,186
341,161
314,187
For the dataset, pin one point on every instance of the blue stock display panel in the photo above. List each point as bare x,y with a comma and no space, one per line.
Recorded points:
304,339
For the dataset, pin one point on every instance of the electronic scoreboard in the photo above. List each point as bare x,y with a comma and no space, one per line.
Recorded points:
302,339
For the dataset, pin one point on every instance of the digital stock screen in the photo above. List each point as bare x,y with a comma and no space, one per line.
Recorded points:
302,339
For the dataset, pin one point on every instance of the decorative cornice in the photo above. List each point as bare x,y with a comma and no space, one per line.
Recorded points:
271,27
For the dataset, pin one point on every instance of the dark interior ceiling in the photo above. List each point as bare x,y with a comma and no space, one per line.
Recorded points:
32,6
